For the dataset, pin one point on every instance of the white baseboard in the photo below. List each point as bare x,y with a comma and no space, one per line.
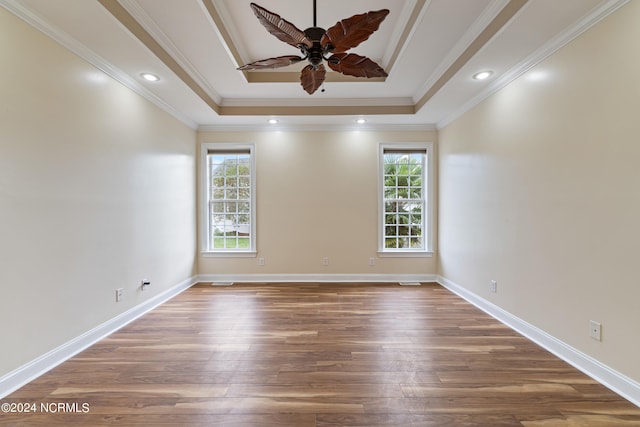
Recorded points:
319,278
32,370
616,381
619,383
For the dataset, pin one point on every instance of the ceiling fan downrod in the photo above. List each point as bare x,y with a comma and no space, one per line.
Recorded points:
316,53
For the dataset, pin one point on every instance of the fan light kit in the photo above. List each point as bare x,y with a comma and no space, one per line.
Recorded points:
318,45
150,77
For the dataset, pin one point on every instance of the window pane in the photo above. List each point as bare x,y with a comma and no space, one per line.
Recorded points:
244,181
216,159
232,193
230,181
217,193
218,207
244,207
218,182
390,193
389,206
218,243
402,206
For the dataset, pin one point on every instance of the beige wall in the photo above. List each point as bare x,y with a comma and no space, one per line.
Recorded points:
97,191
540,190
317,197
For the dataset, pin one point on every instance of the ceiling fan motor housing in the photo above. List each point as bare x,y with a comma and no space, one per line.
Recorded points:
315,53
315,33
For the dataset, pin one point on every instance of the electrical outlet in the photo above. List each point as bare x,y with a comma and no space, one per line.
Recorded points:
595,330
494,286
260,261
325,261
119,294
372,261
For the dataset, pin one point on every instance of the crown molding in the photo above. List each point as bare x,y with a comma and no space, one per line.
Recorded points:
463,43
139,14
71,44
555,44
369,127
308,102
495,27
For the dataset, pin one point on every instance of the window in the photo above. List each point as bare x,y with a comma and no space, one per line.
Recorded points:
405,199
229,198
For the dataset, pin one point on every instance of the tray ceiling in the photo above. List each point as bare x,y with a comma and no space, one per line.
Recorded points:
430,49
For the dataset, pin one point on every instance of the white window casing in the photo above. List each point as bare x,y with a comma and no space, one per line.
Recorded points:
405,199
228,199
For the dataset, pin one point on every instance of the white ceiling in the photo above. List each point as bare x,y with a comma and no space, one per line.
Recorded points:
430,49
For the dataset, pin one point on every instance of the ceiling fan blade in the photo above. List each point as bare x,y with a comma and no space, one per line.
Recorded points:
311,79
281,28
350,32
355,65
263,64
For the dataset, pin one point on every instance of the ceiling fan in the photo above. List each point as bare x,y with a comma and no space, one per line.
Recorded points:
316,44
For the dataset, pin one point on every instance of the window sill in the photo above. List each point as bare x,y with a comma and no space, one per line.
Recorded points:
229,254
405,254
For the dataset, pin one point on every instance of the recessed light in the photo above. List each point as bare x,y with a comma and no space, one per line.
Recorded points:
273,121
361,121
150,77
482,75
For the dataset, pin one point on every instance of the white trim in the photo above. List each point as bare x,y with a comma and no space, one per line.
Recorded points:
73,45
204,198
405,254
152,27
322,127
614,380
19,377
229,254
428,214
548,49
318,278
477,27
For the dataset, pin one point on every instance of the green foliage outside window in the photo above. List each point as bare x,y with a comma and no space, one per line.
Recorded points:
230,200
403,200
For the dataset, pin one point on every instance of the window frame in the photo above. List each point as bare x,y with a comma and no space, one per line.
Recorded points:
428,210
205,242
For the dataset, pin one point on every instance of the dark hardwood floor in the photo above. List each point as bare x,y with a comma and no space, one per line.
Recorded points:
318,355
